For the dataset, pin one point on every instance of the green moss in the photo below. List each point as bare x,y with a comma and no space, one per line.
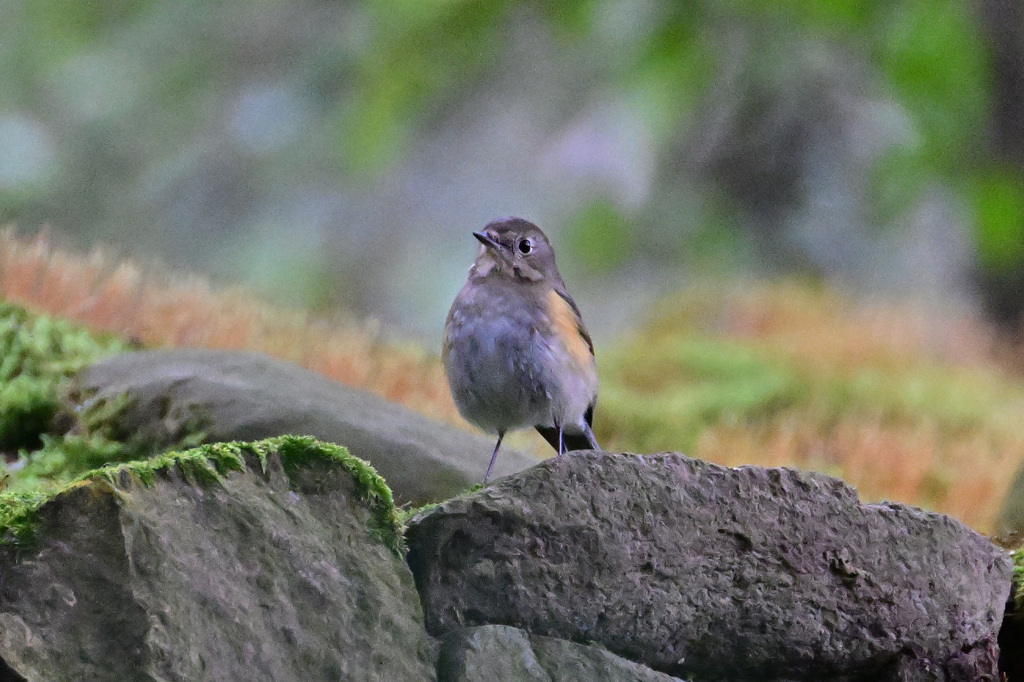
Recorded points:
17,515
1017,583
101,417
61,459
204,465
406,514
207,464
299,451
38,357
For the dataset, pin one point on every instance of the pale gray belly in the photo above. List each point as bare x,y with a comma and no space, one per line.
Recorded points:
500,374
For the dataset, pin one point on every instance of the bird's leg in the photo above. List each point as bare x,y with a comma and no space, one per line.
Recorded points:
494,455
561,442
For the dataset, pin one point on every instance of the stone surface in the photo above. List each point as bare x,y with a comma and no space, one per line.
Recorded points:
490,653
272,576
243,396
721,574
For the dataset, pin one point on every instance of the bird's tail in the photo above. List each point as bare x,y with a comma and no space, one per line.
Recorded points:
572,441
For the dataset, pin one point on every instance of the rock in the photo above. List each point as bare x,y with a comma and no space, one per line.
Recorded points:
497,652
722,574
205,566
8,675
230,395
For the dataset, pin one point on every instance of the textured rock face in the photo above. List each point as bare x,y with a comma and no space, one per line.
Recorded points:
272,576
493,653
721,574
247,396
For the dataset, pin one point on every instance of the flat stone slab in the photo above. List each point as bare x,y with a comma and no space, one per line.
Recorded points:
232,395
720,574
203,572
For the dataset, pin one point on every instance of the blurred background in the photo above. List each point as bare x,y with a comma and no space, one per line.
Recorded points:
336,155
795,228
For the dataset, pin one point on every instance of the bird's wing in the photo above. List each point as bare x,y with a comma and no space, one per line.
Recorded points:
580,327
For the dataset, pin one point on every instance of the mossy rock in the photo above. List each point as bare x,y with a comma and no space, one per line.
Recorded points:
153,400
278,556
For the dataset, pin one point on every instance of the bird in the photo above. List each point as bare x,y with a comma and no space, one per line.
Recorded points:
516,352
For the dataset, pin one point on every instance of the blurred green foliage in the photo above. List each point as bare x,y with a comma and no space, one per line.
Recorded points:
600,235
929,54
998,196
375,76
422,55
400,75
662,395
933,55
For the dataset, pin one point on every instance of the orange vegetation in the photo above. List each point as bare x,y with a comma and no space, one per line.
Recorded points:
160,309
963,476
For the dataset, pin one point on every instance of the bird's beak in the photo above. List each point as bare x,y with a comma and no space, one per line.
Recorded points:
486,239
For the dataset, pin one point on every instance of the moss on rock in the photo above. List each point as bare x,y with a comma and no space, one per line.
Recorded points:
207,465
274,555
1017,583
17,515
39,355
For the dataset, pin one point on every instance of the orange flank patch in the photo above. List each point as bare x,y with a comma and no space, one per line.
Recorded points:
566,324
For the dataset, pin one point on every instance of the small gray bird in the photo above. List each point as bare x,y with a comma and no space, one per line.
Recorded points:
516,352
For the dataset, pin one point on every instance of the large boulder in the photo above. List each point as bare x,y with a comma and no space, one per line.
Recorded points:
271,561
490,653
170,395
720,574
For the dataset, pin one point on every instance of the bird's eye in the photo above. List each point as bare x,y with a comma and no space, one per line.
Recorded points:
525,246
